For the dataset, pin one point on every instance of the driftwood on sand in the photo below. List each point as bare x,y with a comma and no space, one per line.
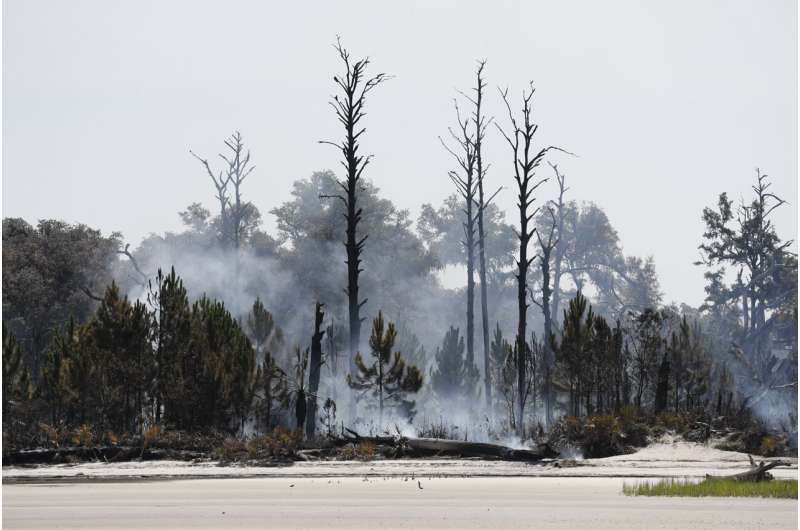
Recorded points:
756,473
443,447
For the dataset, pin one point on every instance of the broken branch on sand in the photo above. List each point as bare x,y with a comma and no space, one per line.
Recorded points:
756,473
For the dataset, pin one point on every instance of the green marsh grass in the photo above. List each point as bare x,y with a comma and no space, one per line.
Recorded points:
778,489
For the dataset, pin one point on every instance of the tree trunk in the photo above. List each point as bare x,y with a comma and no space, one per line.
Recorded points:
353,248
470,243
349,108
315,366
479,125
380,392
548,331
487,374
439,446
525,163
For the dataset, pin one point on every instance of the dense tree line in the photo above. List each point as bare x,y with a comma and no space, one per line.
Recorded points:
189,365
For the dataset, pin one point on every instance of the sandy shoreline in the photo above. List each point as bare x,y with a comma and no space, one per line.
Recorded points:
434,494
677,459
352,502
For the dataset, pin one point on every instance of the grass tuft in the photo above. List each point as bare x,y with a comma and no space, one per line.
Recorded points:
778,489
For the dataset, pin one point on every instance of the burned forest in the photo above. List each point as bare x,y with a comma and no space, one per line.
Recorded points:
328,331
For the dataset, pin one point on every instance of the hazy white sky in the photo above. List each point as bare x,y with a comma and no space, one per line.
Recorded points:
666,103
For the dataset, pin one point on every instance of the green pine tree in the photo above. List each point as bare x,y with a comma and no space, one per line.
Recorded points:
388,380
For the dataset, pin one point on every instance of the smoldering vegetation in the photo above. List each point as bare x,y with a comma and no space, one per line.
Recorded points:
338,319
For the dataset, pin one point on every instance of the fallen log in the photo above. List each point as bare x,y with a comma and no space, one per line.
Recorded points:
444,447
479,449
110,453
756,473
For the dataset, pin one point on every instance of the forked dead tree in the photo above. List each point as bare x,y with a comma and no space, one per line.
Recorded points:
233,211
238,169
546,246
466,185
349,108
480,122
558,206
473,187
525,160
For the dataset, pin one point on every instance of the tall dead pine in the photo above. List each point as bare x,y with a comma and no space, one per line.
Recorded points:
480,123
546,246
525,160
465,182
349,108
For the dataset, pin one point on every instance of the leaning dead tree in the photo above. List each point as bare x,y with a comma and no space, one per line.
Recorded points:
314,371
525,160
466,185
349,108
142,278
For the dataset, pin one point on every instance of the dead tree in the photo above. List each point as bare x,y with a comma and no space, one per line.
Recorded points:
349,108
143,278
481,123
314,369
420,447
238,169
233,212
525,161
546,247
465,184
560,248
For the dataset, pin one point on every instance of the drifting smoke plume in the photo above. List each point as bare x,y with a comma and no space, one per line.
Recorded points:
306,264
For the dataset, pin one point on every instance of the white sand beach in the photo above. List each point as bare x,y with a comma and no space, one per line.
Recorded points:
386,494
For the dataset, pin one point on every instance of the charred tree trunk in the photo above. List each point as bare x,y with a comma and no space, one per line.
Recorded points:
559,249
525,163
469,228
300,409
547,247
439,446
314,369
466,183
349,110
480,127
